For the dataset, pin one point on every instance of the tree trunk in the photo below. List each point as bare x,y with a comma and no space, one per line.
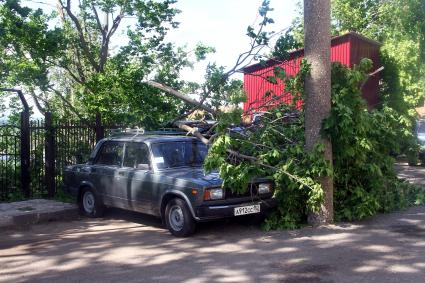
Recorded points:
317,43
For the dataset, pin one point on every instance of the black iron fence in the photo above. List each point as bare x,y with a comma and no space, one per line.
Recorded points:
9,160
34,153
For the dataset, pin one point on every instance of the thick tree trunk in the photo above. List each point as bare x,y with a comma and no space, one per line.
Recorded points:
317,42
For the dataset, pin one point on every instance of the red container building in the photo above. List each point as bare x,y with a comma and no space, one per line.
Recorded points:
347,49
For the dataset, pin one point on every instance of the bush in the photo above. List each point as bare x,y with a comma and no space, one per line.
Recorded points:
363,145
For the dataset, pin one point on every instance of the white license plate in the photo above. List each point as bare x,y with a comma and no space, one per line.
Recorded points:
250,209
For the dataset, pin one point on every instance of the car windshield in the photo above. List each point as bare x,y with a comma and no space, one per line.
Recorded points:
179,154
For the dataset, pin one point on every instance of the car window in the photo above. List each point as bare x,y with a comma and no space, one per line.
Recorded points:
111,153
135,153
179,154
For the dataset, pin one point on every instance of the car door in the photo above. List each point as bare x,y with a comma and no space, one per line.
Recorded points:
105,168
134,180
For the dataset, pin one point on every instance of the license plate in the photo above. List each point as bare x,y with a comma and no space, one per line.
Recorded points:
250,209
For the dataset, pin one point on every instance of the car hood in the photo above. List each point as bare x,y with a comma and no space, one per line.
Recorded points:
195,175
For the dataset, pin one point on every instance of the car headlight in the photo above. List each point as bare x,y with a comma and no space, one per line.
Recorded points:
264,188
213,194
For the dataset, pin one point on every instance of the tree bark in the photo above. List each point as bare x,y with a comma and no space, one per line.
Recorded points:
317,43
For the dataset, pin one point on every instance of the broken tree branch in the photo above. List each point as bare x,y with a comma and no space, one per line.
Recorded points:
371,75
192,131
239,155
181,96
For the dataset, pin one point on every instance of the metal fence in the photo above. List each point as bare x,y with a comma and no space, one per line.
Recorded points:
34,153
9,161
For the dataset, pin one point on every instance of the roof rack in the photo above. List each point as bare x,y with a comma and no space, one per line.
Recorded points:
127,132
141,131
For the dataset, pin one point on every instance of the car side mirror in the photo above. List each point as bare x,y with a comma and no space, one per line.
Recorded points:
143,166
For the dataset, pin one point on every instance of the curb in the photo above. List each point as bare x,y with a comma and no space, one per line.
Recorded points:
12,216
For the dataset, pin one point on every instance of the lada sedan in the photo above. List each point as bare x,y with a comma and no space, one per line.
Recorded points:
162,176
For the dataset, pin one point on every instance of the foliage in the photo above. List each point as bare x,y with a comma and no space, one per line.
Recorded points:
27,45
363,144
398,25
277,143
22,29
73,69
285,44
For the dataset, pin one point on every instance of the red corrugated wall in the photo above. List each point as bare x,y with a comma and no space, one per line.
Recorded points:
348,49
362,48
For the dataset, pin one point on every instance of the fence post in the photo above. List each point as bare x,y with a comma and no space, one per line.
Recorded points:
25,153
99,127
49,149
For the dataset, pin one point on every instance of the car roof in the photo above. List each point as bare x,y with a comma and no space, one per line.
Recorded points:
150,138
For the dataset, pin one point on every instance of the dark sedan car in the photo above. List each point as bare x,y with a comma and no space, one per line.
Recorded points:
162,176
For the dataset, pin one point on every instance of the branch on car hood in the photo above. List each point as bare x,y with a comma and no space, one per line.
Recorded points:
193,131
196,133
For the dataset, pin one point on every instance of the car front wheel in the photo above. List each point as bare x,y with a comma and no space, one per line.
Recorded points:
178,219
89,203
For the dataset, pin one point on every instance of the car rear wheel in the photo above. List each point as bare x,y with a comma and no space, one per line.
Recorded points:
178,218
90,204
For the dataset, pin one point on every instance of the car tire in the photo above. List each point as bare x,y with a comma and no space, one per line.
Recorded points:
90,203
178,218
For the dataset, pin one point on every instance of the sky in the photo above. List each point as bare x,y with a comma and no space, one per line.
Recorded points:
221,24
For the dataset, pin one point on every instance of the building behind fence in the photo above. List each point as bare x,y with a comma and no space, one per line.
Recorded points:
34,153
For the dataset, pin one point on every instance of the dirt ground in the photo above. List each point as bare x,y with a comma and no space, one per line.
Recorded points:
131,247
413,174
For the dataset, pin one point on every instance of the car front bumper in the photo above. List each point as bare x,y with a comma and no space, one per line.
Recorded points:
211,212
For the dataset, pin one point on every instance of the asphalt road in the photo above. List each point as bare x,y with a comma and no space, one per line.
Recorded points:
130,247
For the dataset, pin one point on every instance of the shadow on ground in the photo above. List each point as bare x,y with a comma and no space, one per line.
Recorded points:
131,247
412,174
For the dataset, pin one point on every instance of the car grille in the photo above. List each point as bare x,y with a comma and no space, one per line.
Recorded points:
251,192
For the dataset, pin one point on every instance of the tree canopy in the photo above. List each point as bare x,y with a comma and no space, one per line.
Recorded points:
66,60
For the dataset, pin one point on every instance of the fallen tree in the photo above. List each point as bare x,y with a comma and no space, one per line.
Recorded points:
364,176
365,181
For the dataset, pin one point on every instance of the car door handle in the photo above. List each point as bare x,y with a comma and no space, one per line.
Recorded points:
121,173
